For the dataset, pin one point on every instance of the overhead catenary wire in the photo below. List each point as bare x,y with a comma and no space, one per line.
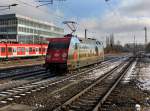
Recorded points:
35,6
119,19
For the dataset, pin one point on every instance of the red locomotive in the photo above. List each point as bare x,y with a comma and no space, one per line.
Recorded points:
70,52
12,50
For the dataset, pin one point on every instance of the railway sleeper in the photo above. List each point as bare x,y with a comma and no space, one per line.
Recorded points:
90,98
89,102
107,103
94,93
75,108
97,90
82,107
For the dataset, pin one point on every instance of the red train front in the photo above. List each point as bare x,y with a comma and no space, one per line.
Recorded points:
57,53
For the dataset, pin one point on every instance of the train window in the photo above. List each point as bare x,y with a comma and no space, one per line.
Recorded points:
30,49
18,50
9,49
43,49
3,49
40,50
33,49
14,50
27,50
58,45
23,49
36,49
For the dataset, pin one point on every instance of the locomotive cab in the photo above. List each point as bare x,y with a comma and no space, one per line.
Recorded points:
57,53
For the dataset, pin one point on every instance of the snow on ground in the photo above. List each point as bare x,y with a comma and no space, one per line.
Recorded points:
130,73
98,72
144,74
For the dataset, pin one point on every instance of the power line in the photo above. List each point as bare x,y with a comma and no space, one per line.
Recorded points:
48,2
34,6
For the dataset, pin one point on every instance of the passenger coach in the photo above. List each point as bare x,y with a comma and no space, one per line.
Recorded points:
70,52
12,50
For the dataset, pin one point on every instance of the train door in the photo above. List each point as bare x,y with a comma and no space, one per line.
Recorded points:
27,51
37,51
3,52
14,51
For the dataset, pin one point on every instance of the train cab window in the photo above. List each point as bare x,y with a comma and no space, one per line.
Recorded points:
9,49
58,45
3,49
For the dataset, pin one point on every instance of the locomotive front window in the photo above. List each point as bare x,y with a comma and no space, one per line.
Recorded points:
58,45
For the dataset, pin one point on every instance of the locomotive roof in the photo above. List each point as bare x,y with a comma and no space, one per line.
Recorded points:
90,41
82,40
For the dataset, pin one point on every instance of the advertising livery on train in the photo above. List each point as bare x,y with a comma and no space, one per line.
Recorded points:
71,52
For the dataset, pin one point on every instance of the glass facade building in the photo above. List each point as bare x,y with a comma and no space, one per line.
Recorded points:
17,28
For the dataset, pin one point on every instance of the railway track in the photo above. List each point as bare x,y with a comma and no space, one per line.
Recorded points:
93,97
10,93
32,71
16,71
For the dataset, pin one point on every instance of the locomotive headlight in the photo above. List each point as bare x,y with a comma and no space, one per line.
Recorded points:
64,55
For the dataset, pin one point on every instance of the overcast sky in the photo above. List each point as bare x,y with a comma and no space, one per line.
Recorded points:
123,18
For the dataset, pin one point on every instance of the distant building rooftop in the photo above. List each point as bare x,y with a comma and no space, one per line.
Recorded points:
10,16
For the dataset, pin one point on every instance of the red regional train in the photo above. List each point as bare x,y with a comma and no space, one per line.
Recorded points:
70,52
14,50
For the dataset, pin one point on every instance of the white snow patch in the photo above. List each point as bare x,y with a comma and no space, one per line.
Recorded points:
98,72
131,71
144,77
